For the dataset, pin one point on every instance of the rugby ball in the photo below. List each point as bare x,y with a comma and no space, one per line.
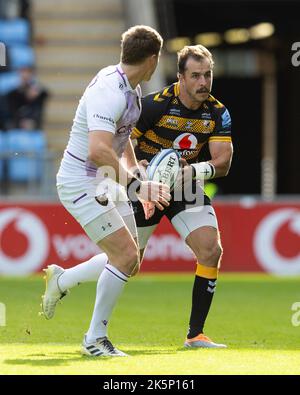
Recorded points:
164,167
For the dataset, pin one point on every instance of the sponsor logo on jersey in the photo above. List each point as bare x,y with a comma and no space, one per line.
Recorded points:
175,111
226,120
98,116
126,129
206,115
185,141
189,125
172,122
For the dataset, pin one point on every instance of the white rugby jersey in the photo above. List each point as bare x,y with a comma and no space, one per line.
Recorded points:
109,103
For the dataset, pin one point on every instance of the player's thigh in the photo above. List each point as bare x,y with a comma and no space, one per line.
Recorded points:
102,223
80,202
187,221
199,228
126,212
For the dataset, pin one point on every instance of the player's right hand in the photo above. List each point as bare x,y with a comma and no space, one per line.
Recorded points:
155,192
143,169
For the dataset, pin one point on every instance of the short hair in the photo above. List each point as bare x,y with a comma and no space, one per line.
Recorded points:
197,52
138,43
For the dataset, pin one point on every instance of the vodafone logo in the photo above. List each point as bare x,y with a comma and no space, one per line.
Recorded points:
185,141
22,225
166,247
279,227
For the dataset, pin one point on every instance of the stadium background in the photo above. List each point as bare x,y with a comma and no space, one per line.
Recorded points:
258,204
256,314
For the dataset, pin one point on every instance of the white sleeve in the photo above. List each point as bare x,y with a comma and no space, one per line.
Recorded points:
104,107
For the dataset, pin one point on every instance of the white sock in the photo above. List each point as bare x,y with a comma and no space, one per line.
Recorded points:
109,288
84,272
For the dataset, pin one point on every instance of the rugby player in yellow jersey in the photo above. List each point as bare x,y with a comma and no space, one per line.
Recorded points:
185,116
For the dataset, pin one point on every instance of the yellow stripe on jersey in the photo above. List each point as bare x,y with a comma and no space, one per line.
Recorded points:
135,134
158,98
176,89
166,93
220,139
186,124
161,96
151,135
216,102
147,148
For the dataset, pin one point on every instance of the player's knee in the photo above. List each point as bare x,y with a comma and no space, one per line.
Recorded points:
211,256
131,258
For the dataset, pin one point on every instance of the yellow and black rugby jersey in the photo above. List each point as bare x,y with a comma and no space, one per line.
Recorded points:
166,123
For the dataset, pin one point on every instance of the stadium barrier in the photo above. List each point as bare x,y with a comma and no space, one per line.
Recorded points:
257,237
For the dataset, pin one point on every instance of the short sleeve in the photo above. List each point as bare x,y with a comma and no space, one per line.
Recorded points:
222,131
104,107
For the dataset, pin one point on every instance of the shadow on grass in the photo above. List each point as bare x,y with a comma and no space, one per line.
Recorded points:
64,359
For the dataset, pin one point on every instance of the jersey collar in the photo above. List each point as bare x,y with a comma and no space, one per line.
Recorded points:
123,77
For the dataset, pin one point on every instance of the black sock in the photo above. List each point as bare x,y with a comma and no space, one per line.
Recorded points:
203,292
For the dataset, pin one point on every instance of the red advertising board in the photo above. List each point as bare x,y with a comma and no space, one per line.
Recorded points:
256,237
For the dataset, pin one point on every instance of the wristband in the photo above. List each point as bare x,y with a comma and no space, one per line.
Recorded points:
203,171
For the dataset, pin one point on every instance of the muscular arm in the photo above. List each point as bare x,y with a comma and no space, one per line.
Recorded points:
221,156
129,156
101,153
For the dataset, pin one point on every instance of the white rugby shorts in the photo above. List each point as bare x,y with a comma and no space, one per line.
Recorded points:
99,218
184,222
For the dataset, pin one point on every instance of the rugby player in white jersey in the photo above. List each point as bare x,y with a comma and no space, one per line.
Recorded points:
92,183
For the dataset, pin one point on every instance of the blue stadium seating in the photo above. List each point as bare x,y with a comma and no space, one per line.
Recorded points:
14,31
21,56
9,81
2,151
21,168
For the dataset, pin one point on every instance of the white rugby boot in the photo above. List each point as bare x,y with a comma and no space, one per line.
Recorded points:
102,347
52,293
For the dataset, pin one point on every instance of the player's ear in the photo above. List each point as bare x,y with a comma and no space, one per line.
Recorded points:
179,76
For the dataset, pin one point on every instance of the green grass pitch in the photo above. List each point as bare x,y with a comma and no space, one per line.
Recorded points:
250,313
